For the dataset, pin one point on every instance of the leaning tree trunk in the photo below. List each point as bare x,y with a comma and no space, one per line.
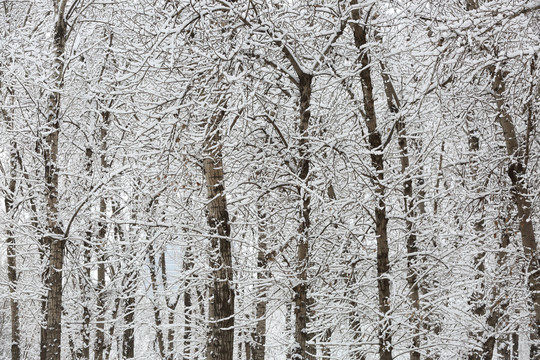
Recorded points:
220,339
54,236
377,161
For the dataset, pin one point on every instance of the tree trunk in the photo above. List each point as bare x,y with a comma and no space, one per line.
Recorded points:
99,350
477,298
257,351
87,270
220,339
409,207
377,161
100,347
157,311
54,236
128,343
302,350
188,304
520,194
9,196
171,306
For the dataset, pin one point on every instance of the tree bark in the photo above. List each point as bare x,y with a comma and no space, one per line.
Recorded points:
257,351
220,339
377,161
171,306
100,346
303,350
128,343
409,207
9,196
54,236
87,271
99,350
187,266
521,196
157,311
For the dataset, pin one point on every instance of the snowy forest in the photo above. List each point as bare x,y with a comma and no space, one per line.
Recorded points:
269,179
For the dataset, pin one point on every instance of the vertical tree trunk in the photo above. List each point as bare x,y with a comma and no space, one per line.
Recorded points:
377,161
188,305
409,207
220,341
87,272
9,196
157,310
100,346
99,349
302,350
54,237
171,306
128,343
477,297
520,194
129,285
257,351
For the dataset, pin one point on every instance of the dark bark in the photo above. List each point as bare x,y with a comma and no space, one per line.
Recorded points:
171,306
9,196
54,236
188,304
522,200
157,310
257,346
303,350
87,272
220,339
409,206
99,346
377,161
128,343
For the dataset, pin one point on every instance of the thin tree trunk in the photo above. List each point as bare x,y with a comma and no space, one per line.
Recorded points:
257,351
87,273
42,255
171,306
54,236
497,310
220,341
100,346
9,196
157,311
302,336
409,207
128,343
188,305
114,317
477,297
521,196
377,161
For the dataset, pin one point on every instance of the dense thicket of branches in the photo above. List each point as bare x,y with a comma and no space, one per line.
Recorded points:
253,179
